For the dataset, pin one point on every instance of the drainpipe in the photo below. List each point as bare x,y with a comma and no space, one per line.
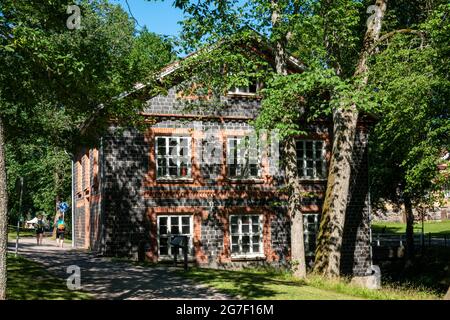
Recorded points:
73,205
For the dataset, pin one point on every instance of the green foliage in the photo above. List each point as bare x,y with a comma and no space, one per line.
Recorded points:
54,79
412,85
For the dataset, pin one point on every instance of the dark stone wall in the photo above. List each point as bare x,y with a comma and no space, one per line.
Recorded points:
126,164
281,234
119,222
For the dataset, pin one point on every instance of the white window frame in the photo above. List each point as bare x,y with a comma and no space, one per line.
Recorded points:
250,234
240,161
307,232
169,235
318,155
167,157
245,90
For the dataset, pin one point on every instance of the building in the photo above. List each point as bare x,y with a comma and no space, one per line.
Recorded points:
135,190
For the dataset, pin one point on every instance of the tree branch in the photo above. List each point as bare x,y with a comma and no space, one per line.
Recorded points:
388,35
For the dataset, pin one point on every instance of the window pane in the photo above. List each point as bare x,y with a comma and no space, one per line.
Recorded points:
162,229
234,249
185,230
319,146
253,170
245,244
186,221
162,167
232,170
319,169
299,147
162,225
235,240
184,169
255,246
174,225
309,149
234,228
163,250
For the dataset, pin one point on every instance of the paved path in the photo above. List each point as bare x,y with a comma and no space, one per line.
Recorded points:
107,279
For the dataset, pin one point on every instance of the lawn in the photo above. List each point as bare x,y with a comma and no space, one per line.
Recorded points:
397,227
28,280
274,285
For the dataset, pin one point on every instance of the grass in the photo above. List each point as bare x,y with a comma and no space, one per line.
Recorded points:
28,280
276,285
435,227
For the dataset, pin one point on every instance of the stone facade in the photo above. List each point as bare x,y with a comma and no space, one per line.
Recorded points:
120,199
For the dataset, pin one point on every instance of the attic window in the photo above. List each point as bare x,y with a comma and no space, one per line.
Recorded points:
250,90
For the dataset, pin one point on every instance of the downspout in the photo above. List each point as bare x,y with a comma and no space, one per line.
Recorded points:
102,198
73,205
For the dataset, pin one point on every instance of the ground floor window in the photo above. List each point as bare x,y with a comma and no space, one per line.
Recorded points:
170,226
310,230
246,235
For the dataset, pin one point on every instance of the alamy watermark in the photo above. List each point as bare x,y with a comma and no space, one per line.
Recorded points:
73,22
74,280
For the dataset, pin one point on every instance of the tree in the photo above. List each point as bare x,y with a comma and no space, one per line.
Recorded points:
336,40
411,77
50,69
227,23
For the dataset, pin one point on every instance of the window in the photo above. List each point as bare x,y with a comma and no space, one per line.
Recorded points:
311,162
170,226
246,235
243,159
173,157
310,229
251,89
210,156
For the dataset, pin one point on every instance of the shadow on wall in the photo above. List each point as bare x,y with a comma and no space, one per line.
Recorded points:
126,164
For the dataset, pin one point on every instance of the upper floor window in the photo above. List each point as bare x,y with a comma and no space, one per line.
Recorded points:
311,163
243,158
173,157
251,90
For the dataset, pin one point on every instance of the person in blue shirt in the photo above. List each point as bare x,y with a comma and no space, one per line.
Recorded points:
60,230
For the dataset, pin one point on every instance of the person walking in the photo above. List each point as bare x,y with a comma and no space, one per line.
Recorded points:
40,228
60,231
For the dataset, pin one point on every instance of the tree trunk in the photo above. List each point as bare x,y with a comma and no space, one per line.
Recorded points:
329,241
294,212
296,216
409,229
3,215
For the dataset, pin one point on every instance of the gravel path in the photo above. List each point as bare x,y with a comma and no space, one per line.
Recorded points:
107,279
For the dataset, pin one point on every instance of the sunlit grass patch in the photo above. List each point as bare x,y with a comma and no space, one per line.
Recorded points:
28,280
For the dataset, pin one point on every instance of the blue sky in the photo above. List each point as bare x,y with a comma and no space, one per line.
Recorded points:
159,16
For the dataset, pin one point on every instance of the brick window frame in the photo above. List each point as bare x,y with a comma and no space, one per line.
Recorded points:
308,165
168,235
239,159
239,234
168,157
